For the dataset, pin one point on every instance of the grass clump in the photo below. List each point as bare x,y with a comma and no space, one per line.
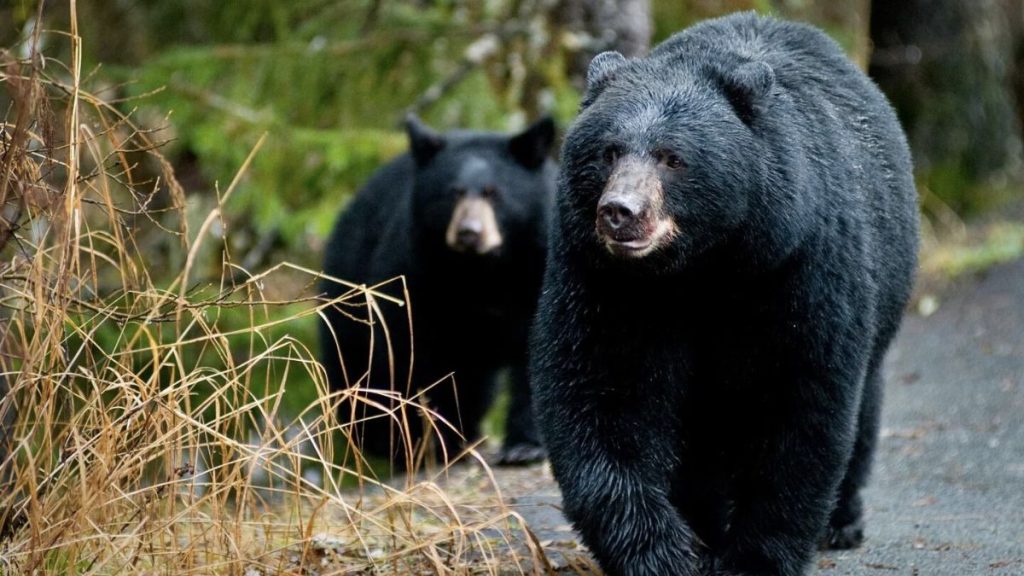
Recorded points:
142,413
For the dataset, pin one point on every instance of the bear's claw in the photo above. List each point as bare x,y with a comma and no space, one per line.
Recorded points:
521,455
844,537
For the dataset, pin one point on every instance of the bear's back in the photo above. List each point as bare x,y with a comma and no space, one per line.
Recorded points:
806,62
832,98
380,206
830,110
790,48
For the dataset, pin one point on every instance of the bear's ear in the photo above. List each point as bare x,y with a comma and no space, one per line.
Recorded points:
748,88
423,140
601,70
532,146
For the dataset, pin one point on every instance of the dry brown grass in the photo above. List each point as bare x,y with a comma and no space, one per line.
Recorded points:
142,435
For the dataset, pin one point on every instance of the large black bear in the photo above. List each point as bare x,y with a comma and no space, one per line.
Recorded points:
733,242
463,216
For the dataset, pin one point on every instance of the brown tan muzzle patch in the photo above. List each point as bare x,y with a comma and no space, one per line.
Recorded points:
473,227
631,219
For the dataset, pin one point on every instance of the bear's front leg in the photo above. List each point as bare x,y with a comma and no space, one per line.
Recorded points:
786,493
623,515
522,442
608,390
615,477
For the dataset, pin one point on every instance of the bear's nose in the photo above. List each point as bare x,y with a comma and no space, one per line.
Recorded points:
468,233
616,213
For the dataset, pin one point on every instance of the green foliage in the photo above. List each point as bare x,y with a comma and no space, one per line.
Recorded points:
958,186
328,82
999,243
329,95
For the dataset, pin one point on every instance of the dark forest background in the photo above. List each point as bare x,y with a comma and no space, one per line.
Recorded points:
328,81
169,170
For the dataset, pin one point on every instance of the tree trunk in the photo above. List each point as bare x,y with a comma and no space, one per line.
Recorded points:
621,25
949,68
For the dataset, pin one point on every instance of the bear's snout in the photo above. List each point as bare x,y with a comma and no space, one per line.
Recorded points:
467,234
473,228
630,216
621,218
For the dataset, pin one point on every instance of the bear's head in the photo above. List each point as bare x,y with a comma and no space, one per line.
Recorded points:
669,160
474,193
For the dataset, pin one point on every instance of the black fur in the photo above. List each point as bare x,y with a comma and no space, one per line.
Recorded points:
712,408
471,313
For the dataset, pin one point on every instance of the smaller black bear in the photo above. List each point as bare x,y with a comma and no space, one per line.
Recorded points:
733,241
463,216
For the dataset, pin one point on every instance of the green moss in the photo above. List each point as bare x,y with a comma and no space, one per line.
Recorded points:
954,185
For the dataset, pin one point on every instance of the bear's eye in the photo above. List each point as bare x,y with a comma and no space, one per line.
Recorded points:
670,159
459,191
489,192
610,154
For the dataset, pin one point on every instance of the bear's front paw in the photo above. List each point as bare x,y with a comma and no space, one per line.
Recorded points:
521,455
843,537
